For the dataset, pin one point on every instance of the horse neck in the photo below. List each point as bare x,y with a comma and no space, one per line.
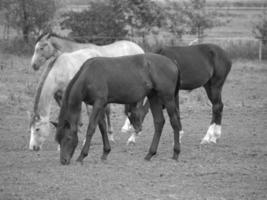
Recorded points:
45,92
68,45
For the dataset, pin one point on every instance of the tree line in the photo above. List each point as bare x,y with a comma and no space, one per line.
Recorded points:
106,20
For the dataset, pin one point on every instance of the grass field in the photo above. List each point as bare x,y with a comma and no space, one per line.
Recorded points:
235,168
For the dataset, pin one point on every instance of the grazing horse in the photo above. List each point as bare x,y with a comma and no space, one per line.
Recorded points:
54,80
123,80
50,46
204,65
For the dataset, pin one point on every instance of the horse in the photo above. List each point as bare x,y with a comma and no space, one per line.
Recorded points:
202,65
50,46
54,81
123,80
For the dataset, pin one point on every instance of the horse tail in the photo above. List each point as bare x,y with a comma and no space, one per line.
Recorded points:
178,83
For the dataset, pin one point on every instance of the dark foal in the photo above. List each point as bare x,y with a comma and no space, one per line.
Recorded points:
123,80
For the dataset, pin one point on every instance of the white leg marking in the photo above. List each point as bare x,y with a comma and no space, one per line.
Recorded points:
111,137
217,131
209,135
181,135
127,126
132,138
58,147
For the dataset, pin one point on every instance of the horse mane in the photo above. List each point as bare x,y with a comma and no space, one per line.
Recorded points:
53,34
41,84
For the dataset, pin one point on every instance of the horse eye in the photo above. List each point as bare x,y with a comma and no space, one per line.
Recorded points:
37,129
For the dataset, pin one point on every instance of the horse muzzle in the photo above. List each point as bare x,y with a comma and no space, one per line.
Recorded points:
64,161
35,148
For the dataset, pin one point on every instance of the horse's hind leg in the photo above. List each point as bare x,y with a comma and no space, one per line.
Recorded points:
103,129
214,94
110,129
174,115
158,119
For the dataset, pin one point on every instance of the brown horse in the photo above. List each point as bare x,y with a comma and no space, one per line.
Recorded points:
123,80
200,65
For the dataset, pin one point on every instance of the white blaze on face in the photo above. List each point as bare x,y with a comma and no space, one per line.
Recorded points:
32,139
39,133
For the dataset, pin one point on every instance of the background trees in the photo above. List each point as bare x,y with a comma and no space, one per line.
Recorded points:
198,18
114,19
28,16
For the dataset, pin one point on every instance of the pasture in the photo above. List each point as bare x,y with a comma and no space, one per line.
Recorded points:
235,168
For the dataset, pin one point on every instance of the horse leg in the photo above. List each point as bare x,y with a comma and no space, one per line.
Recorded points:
103,129
127,124
179,121
174,115
158,119
144,108
94,118
214,130
110,129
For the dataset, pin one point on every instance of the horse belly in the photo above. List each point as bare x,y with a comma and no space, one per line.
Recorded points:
195,75
126,90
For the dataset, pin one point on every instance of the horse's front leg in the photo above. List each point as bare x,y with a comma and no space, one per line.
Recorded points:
103,129
158,119
94,118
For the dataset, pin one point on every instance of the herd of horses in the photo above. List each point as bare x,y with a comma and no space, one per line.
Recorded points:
121,73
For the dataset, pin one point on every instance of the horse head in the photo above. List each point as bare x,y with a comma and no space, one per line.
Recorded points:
39,129
67,138
43,51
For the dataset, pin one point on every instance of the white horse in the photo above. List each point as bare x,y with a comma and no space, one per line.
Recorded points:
56,78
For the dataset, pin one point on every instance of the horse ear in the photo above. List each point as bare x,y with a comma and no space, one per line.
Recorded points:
54,124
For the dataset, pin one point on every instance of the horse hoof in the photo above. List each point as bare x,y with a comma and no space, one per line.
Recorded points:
130,142
175,157
124,130
213,140
111,138
80,160
149,156
104,157
204,141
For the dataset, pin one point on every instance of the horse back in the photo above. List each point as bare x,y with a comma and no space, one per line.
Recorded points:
198,63
127,79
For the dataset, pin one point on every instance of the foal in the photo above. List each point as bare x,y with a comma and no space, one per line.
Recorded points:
123,80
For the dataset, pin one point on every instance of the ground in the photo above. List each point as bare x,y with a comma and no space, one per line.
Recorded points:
234,168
